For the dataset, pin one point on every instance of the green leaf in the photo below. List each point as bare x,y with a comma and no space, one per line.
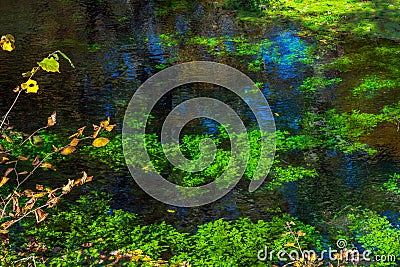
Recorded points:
49,64
67,58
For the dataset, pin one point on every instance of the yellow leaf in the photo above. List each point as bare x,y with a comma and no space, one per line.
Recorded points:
99,142
84,179
7,224
137,252
39,195
49,64
110,127
146,258
171,211
3,181
68,150
135,258
8,139
104,124
96,130
3,232
299,233
30,86
78,133
7,42
7,46
289,244
74,142
30,73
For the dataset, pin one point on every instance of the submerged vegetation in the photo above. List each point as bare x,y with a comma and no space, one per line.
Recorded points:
325,52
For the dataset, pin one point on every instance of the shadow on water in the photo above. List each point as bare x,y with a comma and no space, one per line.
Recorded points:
117,45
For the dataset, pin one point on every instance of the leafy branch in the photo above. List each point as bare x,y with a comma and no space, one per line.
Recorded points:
17,204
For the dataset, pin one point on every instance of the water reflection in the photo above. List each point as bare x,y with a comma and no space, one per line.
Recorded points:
116,46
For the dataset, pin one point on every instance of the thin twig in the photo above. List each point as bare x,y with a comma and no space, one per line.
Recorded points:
24,180
42,128
26,214
9,110
25,259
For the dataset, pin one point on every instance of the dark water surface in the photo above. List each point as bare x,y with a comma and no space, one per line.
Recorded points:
117,45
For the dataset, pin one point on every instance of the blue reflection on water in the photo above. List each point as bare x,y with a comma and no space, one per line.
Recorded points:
154,44
181,24
286,54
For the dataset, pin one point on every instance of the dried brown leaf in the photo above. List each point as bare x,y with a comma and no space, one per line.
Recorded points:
8,171
28,192
3,159
29,205
35,161
39,187
16,208
40,215
67,188
52,120
53,201
47,166
18,194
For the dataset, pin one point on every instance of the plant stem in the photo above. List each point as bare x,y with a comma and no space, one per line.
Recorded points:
13,104
23,142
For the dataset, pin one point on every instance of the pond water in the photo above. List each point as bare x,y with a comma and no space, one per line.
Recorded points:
117,45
